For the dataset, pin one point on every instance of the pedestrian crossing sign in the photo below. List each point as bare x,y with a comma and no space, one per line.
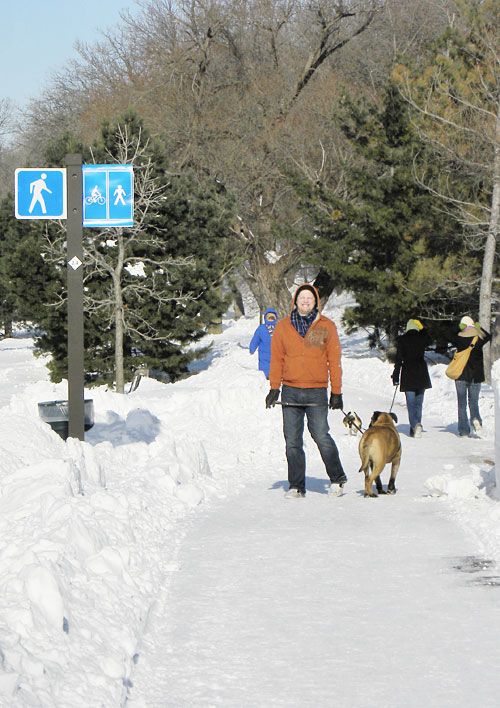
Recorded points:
40,193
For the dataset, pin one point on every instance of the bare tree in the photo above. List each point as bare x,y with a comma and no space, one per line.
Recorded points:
232,86
7,158
247,66
108,256
242,90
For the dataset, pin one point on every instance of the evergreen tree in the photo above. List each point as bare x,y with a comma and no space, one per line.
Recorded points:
8,311
27,281
454,95
383,239
151,289
166,271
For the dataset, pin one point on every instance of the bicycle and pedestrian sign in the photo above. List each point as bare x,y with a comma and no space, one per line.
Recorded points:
40,193
108,195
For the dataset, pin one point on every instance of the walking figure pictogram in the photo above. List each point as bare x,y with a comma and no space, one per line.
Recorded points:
36,189
119,193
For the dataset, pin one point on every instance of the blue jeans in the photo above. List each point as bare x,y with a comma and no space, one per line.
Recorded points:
414,403
317,423
466,390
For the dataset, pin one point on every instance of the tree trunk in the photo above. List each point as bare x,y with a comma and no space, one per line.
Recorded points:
269,288
238,305
489,250
325,285
268,279
119,373
215,327
495,339
390,350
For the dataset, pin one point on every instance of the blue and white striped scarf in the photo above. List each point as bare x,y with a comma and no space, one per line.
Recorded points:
302,323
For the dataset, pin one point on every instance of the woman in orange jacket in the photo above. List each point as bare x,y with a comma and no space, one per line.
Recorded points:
305,356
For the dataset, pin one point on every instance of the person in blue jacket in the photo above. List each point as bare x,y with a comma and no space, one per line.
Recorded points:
261,340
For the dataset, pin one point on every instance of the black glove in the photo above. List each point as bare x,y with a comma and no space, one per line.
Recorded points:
272,397
395,380
335,401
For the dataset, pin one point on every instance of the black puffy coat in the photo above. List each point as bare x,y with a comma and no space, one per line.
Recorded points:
410,367
474,369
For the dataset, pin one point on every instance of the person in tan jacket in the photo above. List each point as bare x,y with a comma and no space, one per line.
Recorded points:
305,357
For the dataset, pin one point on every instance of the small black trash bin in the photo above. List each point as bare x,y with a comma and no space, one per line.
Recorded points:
55,413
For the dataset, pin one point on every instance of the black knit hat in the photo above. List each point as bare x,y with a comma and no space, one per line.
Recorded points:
306,286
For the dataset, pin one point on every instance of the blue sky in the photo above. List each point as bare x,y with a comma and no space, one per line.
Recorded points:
37,37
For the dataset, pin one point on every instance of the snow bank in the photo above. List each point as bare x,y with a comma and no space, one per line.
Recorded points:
81,525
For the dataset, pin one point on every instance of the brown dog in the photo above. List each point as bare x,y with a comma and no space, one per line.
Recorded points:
380,445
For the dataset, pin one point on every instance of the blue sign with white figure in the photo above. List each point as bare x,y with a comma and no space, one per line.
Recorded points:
108,195
40,193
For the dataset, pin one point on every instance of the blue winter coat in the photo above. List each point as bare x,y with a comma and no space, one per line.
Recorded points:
261,340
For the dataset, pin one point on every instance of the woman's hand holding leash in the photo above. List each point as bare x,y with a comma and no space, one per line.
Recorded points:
272,397
336,402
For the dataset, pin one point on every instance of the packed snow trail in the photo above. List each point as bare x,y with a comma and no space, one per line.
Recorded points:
345,602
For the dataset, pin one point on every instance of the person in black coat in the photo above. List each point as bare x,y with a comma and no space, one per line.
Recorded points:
411,369
468,384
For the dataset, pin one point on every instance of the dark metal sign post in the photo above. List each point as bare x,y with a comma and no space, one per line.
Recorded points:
34,199
74,253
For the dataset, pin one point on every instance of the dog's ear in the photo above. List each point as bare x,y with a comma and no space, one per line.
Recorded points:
375,416
394,417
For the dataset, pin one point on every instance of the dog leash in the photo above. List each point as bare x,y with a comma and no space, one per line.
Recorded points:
302,405
349,417
395,391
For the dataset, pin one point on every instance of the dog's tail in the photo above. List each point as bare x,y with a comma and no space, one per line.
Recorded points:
366,462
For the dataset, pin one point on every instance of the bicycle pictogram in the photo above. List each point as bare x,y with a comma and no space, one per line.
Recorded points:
95,197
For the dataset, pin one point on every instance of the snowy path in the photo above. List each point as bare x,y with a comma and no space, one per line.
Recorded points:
347,602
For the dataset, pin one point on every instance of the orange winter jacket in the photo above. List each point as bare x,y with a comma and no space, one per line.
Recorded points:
306,362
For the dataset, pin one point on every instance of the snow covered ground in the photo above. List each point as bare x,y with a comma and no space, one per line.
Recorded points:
157,564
